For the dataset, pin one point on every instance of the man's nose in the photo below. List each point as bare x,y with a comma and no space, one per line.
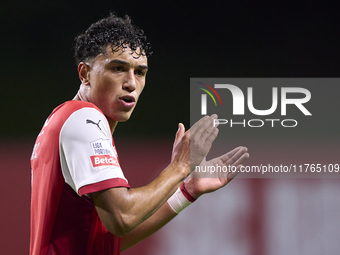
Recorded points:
130,82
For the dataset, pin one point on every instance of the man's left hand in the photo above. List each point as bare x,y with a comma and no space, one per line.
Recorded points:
208,176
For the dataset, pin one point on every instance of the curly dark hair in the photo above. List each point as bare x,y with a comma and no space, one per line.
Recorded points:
119,33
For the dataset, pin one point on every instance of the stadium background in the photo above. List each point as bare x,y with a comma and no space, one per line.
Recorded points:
191,39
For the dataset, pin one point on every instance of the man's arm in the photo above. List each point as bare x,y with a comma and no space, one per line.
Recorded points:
148,227
121,209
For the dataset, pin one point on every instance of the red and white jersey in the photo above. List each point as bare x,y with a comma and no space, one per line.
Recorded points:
74,155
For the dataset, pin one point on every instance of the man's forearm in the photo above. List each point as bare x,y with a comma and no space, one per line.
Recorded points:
121,209
148,227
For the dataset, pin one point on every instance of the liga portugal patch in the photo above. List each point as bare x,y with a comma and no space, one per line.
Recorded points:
104,160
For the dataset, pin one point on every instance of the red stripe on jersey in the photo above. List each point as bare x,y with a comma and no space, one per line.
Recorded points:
94,187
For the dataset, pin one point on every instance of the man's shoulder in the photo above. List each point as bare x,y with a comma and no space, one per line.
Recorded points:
74,118
63,112
74,105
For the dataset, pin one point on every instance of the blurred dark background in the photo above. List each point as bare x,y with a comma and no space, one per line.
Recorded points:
190,39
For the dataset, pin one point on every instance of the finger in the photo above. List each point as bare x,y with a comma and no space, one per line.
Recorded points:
179,133
210,136
238,165
241,160
233,174
235,158
200,126
201,131
206,129
229,154
206,124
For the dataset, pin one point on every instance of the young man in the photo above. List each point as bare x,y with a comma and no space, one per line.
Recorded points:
81,202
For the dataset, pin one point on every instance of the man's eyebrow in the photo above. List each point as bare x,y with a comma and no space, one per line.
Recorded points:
118,61
143,67
122,62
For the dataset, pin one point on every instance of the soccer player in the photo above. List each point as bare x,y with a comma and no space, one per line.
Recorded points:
81,203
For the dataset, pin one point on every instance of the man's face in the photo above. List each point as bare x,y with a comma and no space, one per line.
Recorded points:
116,80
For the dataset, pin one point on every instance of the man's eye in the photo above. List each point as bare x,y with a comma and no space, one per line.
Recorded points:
118,68
140,72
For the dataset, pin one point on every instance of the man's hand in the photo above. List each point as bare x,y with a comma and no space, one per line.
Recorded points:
192,146
199,183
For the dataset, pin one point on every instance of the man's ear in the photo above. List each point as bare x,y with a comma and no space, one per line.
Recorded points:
84,73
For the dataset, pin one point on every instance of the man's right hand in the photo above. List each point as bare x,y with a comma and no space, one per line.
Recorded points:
192,146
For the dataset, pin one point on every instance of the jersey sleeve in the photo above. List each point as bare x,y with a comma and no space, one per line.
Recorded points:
88,157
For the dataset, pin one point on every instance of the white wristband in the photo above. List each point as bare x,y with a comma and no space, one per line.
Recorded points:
178,201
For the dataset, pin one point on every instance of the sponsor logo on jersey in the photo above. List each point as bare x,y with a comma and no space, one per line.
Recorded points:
104,160
103,147
94,123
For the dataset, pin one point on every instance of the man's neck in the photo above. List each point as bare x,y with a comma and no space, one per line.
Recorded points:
112,123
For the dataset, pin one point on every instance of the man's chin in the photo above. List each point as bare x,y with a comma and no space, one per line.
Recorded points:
121,118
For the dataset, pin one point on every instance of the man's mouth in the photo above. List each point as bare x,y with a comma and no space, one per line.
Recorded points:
127,101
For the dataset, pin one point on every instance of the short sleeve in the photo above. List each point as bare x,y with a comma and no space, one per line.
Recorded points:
88,157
